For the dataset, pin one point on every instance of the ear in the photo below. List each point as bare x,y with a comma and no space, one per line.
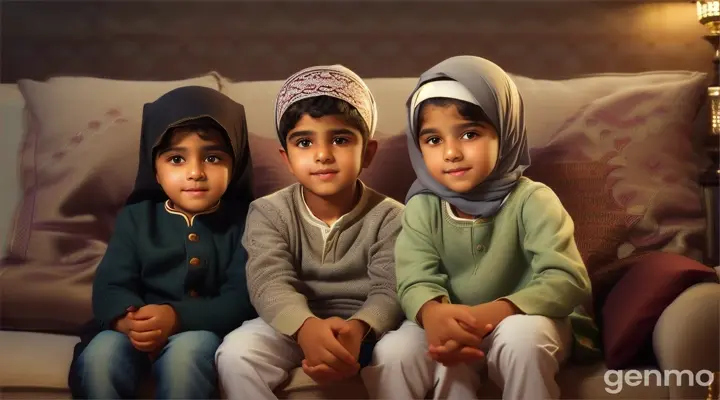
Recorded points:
286,159
370,151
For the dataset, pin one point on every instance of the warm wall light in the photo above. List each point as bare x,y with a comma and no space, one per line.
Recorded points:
708,13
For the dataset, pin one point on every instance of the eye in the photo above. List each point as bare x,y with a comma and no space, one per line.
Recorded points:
433,140
303,143
470,135
175,159
341,140
212,159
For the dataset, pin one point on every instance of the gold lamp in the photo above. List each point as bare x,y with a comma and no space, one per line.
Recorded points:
708,13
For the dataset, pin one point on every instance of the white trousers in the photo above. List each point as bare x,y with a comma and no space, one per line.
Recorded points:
255,359
523,355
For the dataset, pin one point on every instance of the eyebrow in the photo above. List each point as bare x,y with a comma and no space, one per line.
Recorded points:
333,132
180,149
458,127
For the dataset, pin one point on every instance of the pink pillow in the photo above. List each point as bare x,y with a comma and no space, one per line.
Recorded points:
622,161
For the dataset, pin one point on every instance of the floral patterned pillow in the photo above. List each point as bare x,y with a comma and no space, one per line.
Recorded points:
624,166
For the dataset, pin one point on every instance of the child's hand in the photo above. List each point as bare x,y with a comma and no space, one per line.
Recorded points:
122,325
326,359
442,322
492,313
351,338
452,353
151,326
487,315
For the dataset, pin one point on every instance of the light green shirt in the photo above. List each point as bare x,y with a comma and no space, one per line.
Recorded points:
526,254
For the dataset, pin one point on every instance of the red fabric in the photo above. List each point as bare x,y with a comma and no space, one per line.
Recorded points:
635,304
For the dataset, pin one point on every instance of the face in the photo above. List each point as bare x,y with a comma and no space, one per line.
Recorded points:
458,153
326,154
194,170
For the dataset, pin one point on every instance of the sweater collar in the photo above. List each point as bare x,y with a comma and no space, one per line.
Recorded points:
350,216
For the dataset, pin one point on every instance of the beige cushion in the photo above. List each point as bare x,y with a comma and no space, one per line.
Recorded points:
35,360
12,122
78,165
687,336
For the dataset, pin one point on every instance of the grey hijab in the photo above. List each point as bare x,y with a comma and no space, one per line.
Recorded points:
495,92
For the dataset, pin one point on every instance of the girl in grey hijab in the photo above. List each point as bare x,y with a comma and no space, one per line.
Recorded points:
483,84
486,261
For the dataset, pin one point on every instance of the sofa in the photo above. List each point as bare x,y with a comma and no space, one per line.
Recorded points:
619,150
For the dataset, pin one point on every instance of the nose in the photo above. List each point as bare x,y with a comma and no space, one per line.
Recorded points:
196,171
453,151
323,153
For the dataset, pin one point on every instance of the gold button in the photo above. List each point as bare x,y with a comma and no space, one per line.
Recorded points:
193,237
195,261
480,247
193,293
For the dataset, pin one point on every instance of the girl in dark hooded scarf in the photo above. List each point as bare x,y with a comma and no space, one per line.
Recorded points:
172,281
486,260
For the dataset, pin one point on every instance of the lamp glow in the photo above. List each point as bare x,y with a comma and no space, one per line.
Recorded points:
708,14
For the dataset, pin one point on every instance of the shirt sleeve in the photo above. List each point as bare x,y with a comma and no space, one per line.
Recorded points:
117,280
271,274
225,312
560,280
381,310
417,261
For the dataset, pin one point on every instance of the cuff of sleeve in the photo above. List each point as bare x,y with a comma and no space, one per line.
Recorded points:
289,320
114,313
415,298
520,301
378,321
529,305
187,316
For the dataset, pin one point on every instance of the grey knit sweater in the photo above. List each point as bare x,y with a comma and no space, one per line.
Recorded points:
299,267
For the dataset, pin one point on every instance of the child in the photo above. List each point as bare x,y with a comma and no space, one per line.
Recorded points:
486,261
172,281
320,266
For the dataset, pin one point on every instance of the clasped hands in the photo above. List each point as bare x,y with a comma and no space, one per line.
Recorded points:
454,332
331,347
148,327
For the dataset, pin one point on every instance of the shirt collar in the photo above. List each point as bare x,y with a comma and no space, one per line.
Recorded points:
189,220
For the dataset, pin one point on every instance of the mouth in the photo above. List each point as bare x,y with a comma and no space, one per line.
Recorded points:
457,171
325,174
195,191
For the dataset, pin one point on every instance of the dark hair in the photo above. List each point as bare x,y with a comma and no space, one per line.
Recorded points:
202,127
469,111
317,107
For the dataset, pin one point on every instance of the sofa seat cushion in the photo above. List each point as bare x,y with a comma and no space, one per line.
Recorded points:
35,360
300,386
38,363
575,381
